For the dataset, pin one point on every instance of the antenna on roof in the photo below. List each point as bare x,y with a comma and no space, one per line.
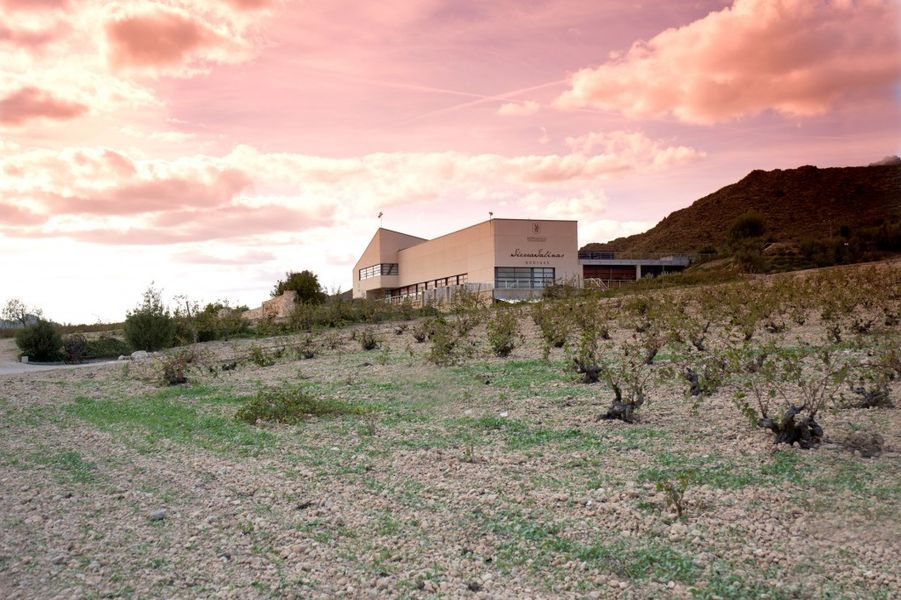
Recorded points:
380,219
490,215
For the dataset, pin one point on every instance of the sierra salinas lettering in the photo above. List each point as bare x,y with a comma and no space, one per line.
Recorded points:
537,254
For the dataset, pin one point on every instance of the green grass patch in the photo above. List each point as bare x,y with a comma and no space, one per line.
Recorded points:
162,416
519,435
527,539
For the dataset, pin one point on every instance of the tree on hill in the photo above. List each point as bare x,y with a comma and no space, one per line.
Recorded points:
746,241
305,283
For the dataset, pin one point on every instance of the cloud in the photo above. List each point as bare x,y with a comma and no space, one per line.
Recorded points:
519,109
138,197
162,38
635,147
199,257
109,197
32,39
30,103
796,57
11,215
33,5
249,4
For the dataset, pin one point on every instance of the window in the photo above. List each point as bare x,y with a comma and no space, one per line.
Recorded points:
378,270
523,277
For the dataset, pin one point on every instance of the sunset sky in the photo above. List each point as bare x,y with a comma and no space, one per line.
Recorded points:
211,145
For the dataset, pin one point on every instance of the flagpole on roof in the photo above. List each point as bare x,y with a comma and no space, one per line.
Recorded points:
380,219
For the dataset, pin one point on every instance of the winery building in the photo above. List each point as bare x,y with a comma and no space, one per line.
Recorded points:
513,259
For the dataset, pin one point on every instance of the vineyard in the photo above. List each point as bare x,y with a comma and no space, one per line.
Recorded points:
737,440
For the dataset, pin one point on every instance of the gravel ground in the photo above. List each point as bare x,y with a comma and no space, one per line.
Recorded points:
493,479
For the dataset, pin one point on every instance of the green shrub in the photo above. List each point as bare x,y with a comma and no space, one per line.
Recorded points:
448,348
503,329
41,341
106,347
150,326
260,358
292,405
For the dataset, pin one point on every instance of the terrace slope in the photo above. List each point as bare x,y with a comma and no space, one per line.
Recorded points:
797,204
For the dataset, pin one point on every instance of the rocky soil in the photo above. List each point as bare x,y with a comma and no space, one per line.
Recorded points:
492,479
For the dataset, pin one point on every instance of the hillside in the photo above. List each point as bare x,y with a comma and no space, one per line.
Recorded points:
797,204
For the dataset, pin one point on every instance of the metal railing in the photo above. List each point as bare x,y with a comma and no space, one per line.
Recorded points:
508,283
693,257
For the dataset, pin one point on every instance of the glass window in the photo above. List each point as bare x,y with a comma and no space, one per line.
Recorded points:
523,277
379,270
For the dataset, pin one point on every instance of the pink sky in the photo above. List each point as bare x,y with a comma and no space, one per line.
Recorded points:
209,146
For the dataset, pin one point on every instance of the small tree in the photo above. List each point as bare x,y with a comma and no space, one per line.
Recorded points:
304,283
18,312
150,325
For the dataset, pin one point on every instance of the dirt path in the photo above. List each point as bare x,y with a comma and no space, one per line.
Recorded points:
10,364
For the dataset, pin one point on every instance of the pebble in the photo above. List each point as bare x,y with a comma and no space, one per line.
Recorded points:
158,515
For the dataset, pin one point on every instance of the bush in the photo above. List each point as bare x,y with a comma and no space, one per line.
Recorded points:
174,366
260,358
74,348
41,341
150,326
368,340
291,405
106,347
503,329
446,348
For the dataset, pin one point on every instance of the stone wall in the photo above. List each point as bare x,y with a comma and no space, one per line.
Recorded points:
279,307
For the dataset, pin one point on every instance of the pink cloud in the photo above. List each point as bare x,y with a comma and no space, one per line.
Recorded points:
198,257
518,109
32,39
157,39
30,103
167,194
33,5
796,57
221,223
14,216
249,4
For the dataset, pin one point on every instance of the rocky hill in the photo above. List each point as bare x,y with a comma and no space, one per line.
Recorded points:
797,205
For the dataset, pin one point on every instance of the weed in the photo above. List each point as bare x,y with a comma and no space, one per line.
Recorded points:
674,490
292,405
259,357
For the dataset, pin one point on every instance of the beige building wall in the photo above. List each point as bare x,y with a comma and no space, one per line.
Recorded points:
469,251
534,243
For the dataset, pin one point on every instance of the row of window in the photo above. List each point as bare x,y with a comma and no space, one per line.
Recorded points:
523,277
419,288
379,270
